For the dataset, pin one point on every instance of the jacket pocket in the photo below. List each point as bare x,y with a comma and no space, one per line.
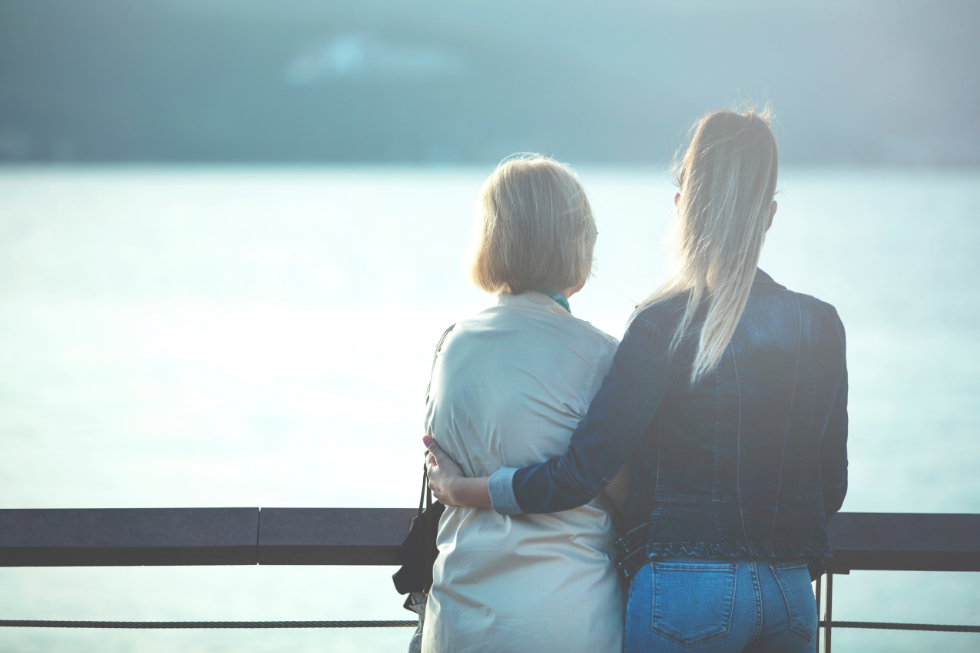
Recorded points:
693,602
794,582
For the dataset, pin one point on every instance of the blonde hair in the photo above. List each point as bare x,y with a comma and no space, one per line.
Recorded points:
727,179
534,228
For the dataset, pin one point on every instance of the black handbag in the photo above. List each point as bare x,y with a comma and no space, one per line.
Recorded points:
418,552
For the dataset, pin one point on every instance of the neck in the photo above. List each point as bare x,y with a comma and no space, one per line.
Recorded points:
559,297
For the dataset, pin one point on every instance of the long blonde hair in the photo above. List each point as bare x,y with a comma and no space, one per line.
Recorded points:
727,179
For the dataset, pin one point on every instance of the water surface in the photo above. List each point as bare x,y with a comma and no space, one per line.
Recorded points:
178,337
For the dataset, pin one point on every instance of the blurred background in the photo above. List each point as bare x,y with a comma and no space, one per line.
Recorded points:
232,232
880,83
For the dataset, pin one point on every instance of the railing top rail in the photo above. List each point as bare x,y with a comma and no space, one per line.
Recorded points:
370,536
905,541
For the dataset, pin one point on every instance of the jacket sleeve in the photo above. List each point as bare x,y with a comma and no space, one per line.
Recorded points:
617,418
833,446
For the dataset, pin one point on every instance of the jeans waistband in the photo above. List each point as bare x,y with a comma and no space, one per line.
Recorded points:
709,560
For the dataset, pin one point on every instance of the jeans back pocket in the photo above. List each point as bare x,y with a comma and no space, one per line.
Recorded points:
794,582
693,602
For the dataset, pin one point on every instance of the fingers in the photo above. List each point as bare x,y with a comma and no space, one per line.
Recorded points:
434,449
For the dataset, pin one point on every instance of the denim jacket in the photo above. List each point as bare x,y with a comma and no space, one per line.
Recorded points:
751,461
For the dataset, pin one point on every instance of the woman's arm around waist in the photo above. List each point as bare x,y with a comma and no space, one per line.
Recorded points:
617,418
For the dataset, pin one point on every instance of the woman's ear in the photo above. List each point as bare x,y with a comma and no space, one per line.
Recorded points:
677,198
772,214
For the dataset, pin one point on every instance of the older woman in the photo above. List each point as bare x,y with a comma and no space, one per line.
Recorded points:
509,386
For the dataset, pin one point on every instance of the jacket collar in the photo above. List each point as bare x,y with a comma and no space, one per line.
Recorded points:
762,277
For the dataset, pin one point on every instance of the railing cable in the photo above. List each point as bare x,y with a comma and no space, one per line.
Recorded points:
876,625
25,623
30,623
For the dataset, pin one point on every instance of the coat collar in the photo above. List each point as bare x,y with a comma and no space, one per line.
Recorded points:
531,299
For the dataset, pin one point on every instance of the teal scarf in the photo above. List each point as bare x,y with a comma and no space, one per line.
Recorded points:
559,298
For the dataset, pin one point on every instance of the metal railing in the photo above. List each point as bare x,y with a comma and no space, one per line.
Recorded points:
371,536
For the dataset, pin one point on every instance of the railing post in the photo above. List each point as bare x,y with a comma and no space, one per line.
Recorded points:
828,618
819,580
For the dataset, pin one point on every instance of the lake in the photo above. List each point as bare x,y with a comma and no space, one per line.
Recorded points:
194,336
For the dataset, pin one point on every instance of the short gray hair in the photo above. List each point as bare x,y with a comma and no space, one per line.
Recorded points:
534,229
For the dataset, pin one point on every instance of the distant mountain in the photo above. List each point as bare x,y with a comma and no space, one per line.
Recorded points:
444,81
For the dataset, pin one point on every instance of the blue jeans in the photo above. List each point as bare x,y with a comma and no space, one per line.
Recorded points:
698,605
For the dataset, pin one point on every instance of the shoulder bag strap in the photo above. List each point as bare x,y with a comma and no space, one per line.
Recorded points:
429,526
